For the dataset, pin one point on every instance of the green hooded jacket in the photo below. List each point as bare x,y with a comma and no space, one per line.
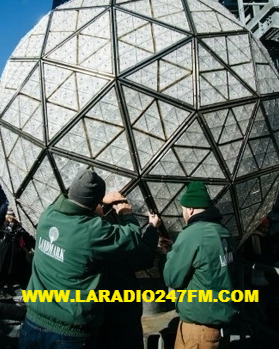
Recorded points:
202,260
71,246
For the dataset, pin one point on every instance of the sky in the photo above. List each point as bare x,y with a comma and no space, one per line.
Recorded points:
17,18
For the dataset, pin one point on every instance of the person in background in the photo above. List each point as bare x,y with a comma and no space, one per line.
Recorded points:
16,243
201,259
4,203
72,244
273,233
262,244
122,327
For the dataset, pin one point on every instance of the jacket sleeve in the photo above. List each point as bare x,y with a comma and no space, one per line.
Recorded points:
29,240
144,255
180,260
113,241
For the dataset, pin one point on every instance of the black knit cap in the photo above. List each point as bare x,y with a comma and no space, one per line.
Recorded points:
87,188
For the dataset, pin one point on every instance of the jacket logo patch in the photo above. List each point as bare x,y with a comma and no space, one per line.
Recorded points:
227,258
48,248
53,234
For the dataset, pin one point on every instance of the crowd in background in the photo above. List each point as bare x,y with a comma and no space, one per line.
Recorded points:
16,250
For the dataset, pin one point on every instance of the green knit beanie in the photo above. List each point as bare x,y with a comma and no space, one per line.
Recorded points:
195,196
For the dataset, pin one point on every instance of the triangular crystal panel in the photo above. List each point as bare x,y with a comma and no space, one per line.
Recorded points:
147,146
115,182
247,163
12,79
100,135
76,140
30,46
267,76
139,39
175,71
168,166
163,193
68,168
171,13
118,153
136,102
57,118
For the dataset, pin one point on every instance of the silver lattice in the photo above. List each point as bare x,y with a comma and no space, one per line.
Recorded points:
153,94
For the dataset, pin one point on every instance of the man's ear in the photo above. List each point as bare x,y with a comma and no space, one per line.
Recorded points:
99,210
191,210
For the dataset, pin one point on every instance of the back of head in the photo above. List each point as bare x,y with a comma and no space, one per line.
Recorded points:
196,196
10,212
87,188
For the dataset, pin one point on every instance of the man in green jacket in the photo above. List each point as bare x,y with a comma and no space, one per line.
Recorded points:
201,262
72,244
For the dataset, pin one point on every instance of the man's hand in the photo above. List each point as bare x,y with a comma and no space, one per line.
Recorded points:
122,208
154,220
112,197
119,202
165,244
99,210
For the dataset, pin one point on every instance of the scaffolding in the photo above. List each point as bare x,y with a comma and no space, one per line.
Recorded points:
262,19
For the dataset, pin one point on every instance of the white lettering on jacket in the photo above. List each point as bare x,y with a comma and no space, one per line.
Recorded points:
227,257
51,250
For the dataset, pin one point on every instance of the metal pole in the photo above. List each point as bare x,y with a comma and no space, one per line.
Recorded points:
241,11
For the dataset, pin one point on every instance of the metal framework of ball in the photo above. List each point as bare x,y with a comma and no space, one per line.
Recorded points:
153,94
